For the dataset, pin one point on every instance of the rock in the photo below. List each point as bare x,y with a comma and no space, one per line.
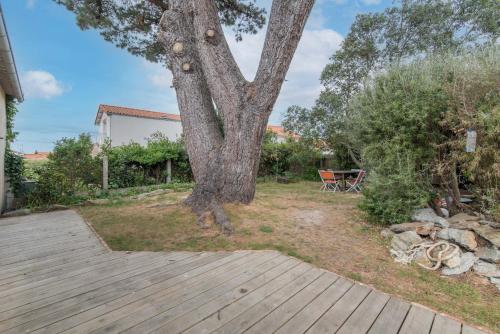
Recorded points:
466,262
428,215
489,233
426,230
488,254
386,233
445,212
490,223
98,201
453,262
462,217
404,227
486,269
404,241
466,239
496,281
17,213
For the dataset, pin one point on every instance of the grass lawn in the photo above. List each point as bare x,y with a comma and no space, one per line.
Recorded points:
325,229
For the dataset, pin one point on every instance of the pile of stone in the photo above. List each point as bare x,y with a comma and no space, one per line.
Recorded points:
466,243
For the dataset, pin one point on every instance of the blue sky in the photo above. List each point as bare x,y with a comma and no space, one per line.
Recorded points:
66,73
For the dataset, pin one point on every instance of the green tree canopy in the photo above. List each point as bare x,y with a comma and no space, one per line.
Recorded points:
133,25
400,34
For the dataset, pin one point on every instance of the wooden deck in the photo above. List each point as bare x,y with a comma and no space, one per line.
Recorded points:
57,277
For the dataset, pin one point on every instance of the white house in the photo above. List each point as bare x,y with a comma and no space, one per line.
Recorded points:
123,125
9,86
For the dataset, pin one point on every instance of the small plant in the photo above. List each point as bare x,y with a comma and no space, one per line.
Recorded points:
266,229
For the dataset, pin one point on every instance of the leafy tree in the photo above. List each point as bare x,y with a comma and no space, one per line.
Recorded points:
70,168
188,35
411,122
400,34
135,165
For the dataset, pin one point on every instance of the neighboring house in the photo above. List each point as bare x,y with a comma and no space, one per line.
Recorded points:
37,156
123,125
9,86
281,134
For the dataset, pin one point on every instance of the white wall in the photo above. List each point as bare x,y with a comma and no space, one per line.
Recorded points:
3,133
125,129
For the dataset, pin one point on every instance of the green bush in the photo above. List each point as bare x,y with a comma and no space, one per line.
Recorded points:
391,198
290,158
70,172
14,170
411,123
134,165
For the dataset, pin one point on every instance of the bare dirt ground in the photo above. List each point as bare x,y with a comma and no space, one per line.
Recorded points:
325,229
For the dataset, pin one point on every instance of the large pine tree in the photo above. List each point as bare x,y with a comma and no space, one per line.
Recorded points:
188,36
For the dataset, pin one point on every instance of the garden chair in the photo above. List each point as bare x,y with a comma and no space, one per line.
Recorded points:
329,181
358,182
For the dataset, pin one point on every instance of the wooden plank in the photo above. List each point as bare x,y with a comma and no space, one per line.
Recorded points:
31,282
60,259
178,319
220,316
48,252
27,276
101,316
58,284
256,321
270,302
362,319
31,246
333,319
65,308
444,325
157,312
418,321
109,285
29,297
314,310
469,330
391,318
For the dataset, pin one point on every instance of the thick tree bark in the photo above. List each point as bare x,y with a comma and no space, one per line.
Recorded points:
225,161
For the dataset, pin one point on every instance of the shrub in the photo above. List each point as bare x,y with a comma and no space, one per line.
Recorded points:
291,158
70,171
411,122
14,170
135,165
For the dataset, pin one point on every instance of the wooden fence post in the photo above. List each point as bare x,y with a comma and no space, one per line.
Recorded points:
169,171
105,171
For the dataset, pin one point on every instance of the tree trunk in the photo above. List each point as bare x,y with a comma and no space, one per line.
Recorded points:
225,161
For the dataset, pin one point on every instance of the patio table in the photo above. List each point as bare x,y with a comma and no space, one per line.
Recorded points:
344,173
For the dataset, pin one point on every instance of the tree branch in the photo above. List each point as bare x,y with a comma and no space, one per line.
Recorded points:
286,24
223,75
198,116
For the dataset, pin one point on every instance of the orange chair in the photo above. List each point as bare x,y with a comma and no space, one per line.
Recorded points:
329,181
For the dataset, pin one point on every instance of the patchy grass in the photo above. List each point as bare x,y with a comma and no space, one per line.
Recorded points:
296,219
266,229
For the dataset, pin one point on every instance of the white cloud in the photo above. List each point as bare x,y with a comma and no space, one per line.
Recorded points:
30,4
41,84
371,2
302,86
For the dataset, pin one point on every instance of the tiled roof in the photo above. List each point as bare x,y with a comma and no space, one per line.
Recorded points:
281,132
103,108
36,156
